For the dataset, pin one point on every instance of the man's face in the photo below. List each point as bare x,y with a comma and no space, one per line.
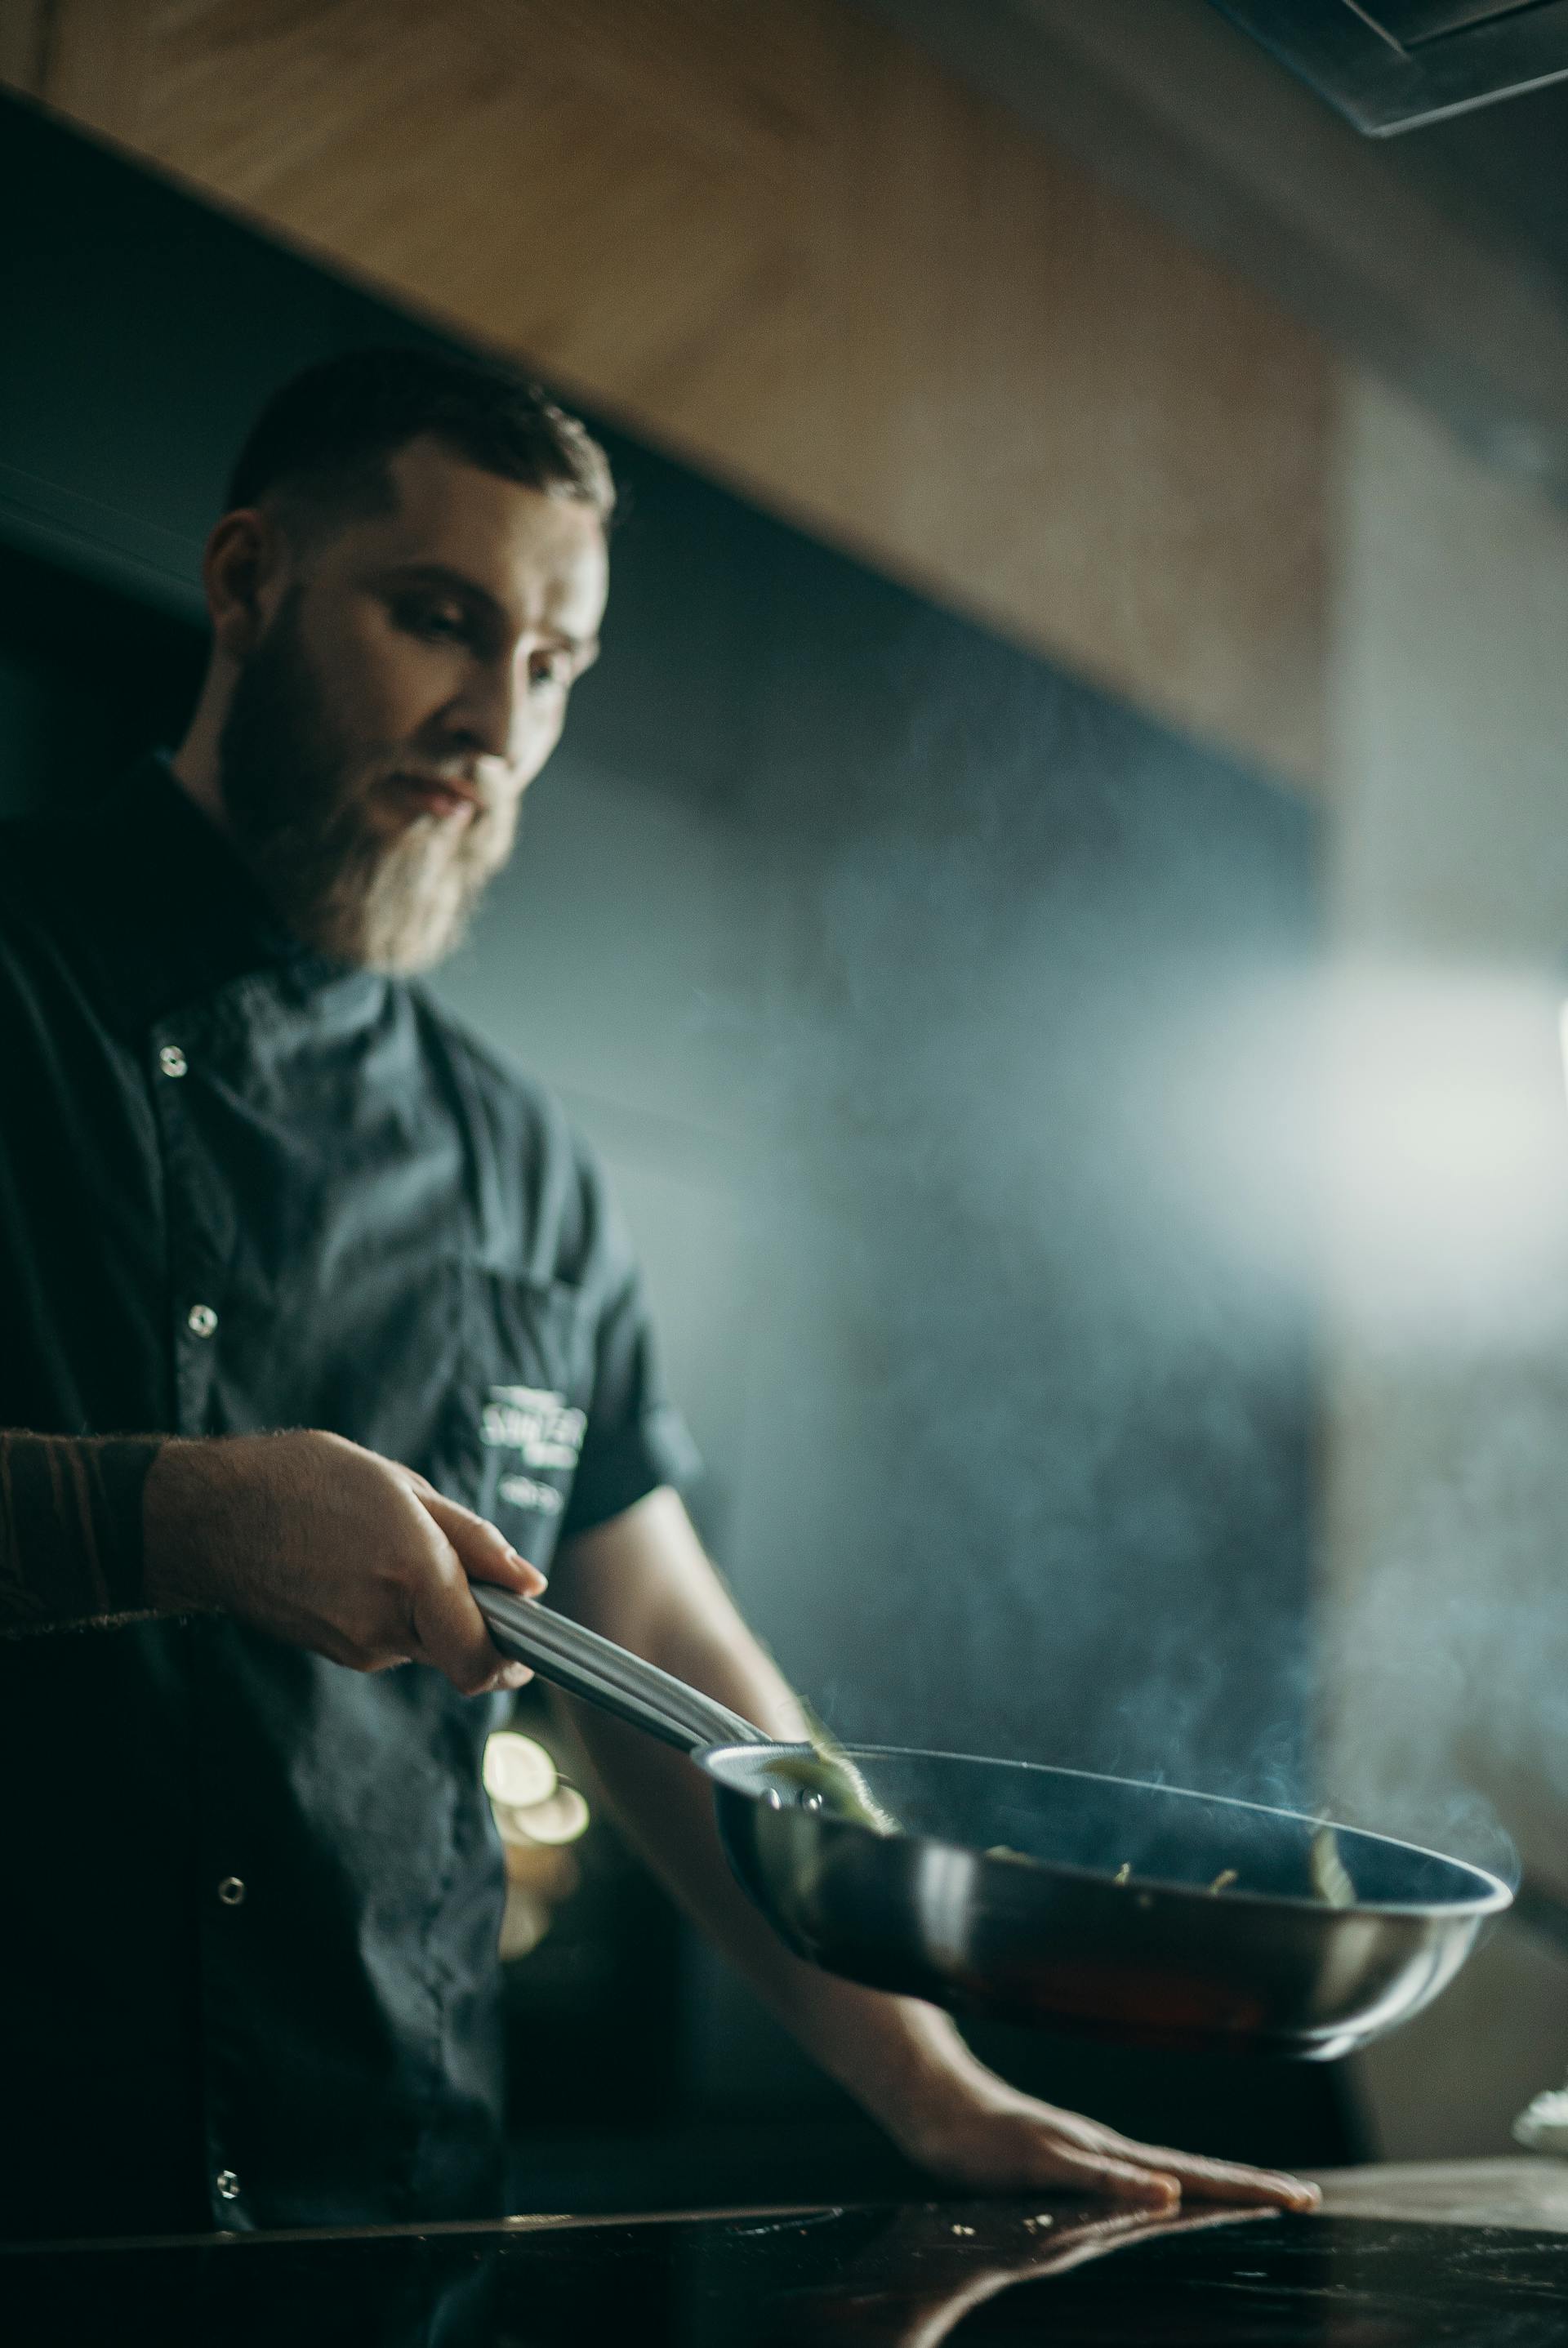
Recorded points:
409,680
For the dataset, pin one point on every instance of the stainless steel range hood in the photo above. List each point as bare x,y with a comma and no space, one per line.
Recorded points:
1391,65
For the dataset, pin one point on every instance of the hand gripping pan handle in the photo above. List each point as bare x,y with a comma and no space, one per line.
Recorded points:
602,1674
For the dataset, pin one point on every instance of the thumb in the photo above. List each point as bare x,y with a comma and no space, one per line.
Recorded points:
484,1553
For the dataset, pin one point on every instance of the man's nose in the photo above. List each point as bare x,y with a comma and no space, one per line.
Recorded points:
491,709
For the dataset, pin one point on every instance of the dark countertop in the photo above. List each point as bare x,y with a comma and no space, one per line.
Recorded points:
1467,2254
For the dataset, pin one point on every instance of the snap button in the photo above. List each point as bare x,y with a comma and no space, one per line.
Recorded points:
201,1320
231,1892
173,1060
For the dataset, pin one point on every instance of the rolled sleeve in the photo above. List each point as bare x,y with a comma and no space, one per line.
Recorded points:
70,1526
628,1439
635,1439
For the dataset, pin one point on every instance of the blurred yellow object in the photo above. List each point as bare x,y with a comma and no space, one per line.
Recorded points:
560,1819
517,1771
535,1814
549,1873
524,1924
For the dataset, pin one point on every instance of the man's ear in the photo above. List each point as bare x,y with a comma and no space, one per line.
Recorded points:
242,571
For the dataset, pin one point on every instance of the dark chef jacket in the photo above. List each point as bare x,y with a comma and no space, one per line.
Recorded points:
248,1928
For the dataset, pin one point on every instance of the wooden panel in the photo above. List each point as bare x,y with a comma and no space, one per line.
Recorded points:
782,243
23,42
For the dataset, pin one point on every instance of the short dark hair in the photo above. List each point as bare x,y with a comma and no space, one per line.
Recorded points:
322,443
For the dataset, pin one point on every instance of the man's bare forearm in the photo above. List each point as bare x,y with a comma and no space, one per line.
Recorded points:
643,1580
894,2054
71,1549
879,2047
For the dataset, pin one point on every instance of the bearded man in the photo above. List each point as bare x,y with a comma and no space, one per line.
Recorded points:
314,1312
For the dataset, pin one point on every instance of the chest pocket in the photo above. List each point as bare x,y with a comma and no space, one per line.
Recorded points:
520,1409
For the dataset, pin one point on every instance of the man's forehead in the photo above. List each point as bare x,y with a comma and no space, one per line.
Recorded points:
521,546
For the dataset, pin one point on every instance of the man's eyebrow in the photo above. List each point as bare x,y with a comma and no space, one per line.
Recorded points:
468,590
452,583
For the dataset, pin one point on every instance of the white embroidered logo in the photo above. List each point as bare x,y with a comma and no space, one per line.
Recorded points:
523,1492
540,1425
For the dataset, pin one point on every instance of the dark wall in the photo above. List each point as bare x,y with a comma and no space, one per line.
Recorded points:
944,1025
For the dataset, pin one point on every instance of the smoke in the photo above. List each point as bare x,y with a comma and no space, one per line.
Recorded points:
1203,1339
1444,1637
1150,1359
1446,1160
1044,1064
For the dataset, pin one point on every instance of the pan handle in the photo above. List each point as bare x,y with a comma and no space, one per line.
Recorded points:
594,1668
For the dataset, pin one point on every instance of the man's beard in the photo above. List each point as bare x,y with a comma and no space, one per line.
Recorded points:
296,800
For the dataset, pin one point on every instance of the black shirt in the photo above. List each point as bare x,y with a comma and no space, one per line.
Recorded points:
241,1188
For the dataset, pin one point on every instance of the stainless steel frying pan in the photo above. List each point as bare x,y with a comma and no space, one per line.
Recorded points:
1049,1896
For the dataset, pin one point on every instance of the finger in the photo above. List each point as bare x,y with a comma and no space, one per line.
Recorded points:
1225,2180
1252,2189
486,1554
1118,2180
451,1632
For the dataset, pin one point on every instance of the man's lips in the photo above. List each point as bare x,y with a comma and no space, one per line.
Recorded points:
439,794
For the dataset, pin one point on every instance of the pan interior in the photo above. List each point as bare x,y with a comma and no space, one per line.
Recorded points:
1159,1834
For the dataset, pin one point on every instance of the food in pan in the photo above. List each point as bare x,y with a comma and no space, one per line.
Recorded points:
827,1780
1330,1876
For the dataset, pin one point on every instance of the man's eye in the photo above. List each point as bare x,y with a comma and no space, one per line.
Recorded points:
549,669
438,624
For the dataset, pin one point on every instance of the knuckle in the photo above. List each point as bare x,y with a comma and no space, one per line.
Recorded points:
432,1566
447,1569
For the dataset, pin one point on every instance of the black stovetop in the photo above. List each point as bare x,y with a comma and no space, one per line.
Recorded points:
854,2278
